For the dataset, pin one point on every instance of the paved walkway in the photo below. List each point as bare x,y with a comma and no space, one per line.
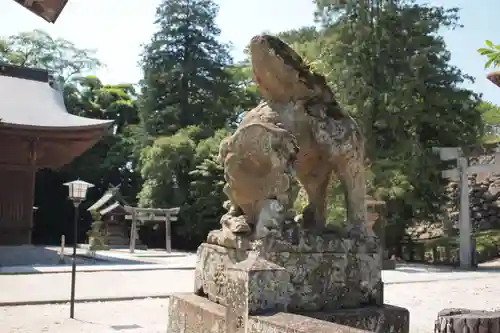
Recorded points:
115,260
143,316
423,299
112,285
47,288
30,255
412,273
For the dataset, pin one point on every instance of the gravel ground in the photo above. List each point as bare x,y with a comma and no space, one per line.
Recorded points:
423,299
141,316
426,299
94,285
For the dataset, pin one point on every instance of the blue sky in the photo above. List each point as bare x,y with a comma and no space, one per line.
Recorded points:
117,28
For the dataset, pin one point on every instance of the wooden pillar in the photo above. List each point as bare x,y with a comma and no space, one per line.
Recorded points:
168,240
133,231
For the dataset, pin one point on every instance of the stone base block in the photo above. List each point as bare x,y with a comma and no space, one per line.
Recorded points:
326,272
383,319
189,313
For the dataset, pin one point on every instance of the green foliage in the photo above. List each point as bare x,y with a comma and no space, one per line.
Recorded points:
487,244
39,50
391,69
181,171
492,52
186,81
113,160
491,118
191,93
96,234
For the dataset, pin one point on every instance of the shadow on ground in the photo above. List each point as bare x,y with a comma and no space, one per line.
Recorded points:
114,327
37,256
414,268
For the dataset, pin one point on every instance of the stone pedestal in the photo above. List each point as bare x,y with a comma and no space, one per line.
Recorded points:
189,313
318,282
326,272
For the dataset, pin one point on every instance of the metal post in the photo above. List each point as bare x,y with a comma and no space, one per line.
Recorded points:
168,243
465,226
133,232
73,259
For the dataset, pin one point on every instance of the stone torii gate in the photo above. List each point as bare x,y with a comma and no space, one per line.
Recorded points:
461,174
166,215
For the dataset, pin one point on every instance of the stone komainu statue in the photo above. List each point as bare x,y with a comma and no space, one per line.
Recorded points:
298,133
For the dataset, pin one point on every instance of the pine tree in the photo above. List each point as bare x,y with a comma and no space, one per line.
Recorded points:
185,77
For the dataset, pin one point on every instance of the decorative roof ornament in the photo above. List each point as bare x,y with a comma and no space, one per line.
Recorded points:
494,77
49,10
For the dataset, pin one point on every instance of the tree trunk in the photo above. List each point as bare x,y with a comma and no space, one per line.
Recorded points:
470,321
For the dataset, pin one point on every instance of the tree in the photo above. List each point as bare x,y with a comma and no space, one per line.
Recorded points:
39,50
192,96
491,118
181,171
113,159
391,69
186,80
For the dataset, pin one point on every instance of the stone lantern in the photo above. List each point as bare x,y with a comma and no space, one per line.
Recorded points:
374,208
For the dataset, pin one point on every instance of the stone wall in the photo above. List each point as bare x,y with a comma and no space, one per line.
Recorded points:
484,196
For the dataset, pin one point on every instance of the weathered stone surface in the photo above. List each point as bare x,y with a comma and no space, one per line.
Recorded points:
298,134
464,320
189,313
293,323
379,319
255,286
326,272
265,285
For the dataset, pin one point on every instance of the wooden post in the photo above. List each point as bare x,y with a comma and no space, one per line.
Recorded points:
464,224
168,240
133,231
